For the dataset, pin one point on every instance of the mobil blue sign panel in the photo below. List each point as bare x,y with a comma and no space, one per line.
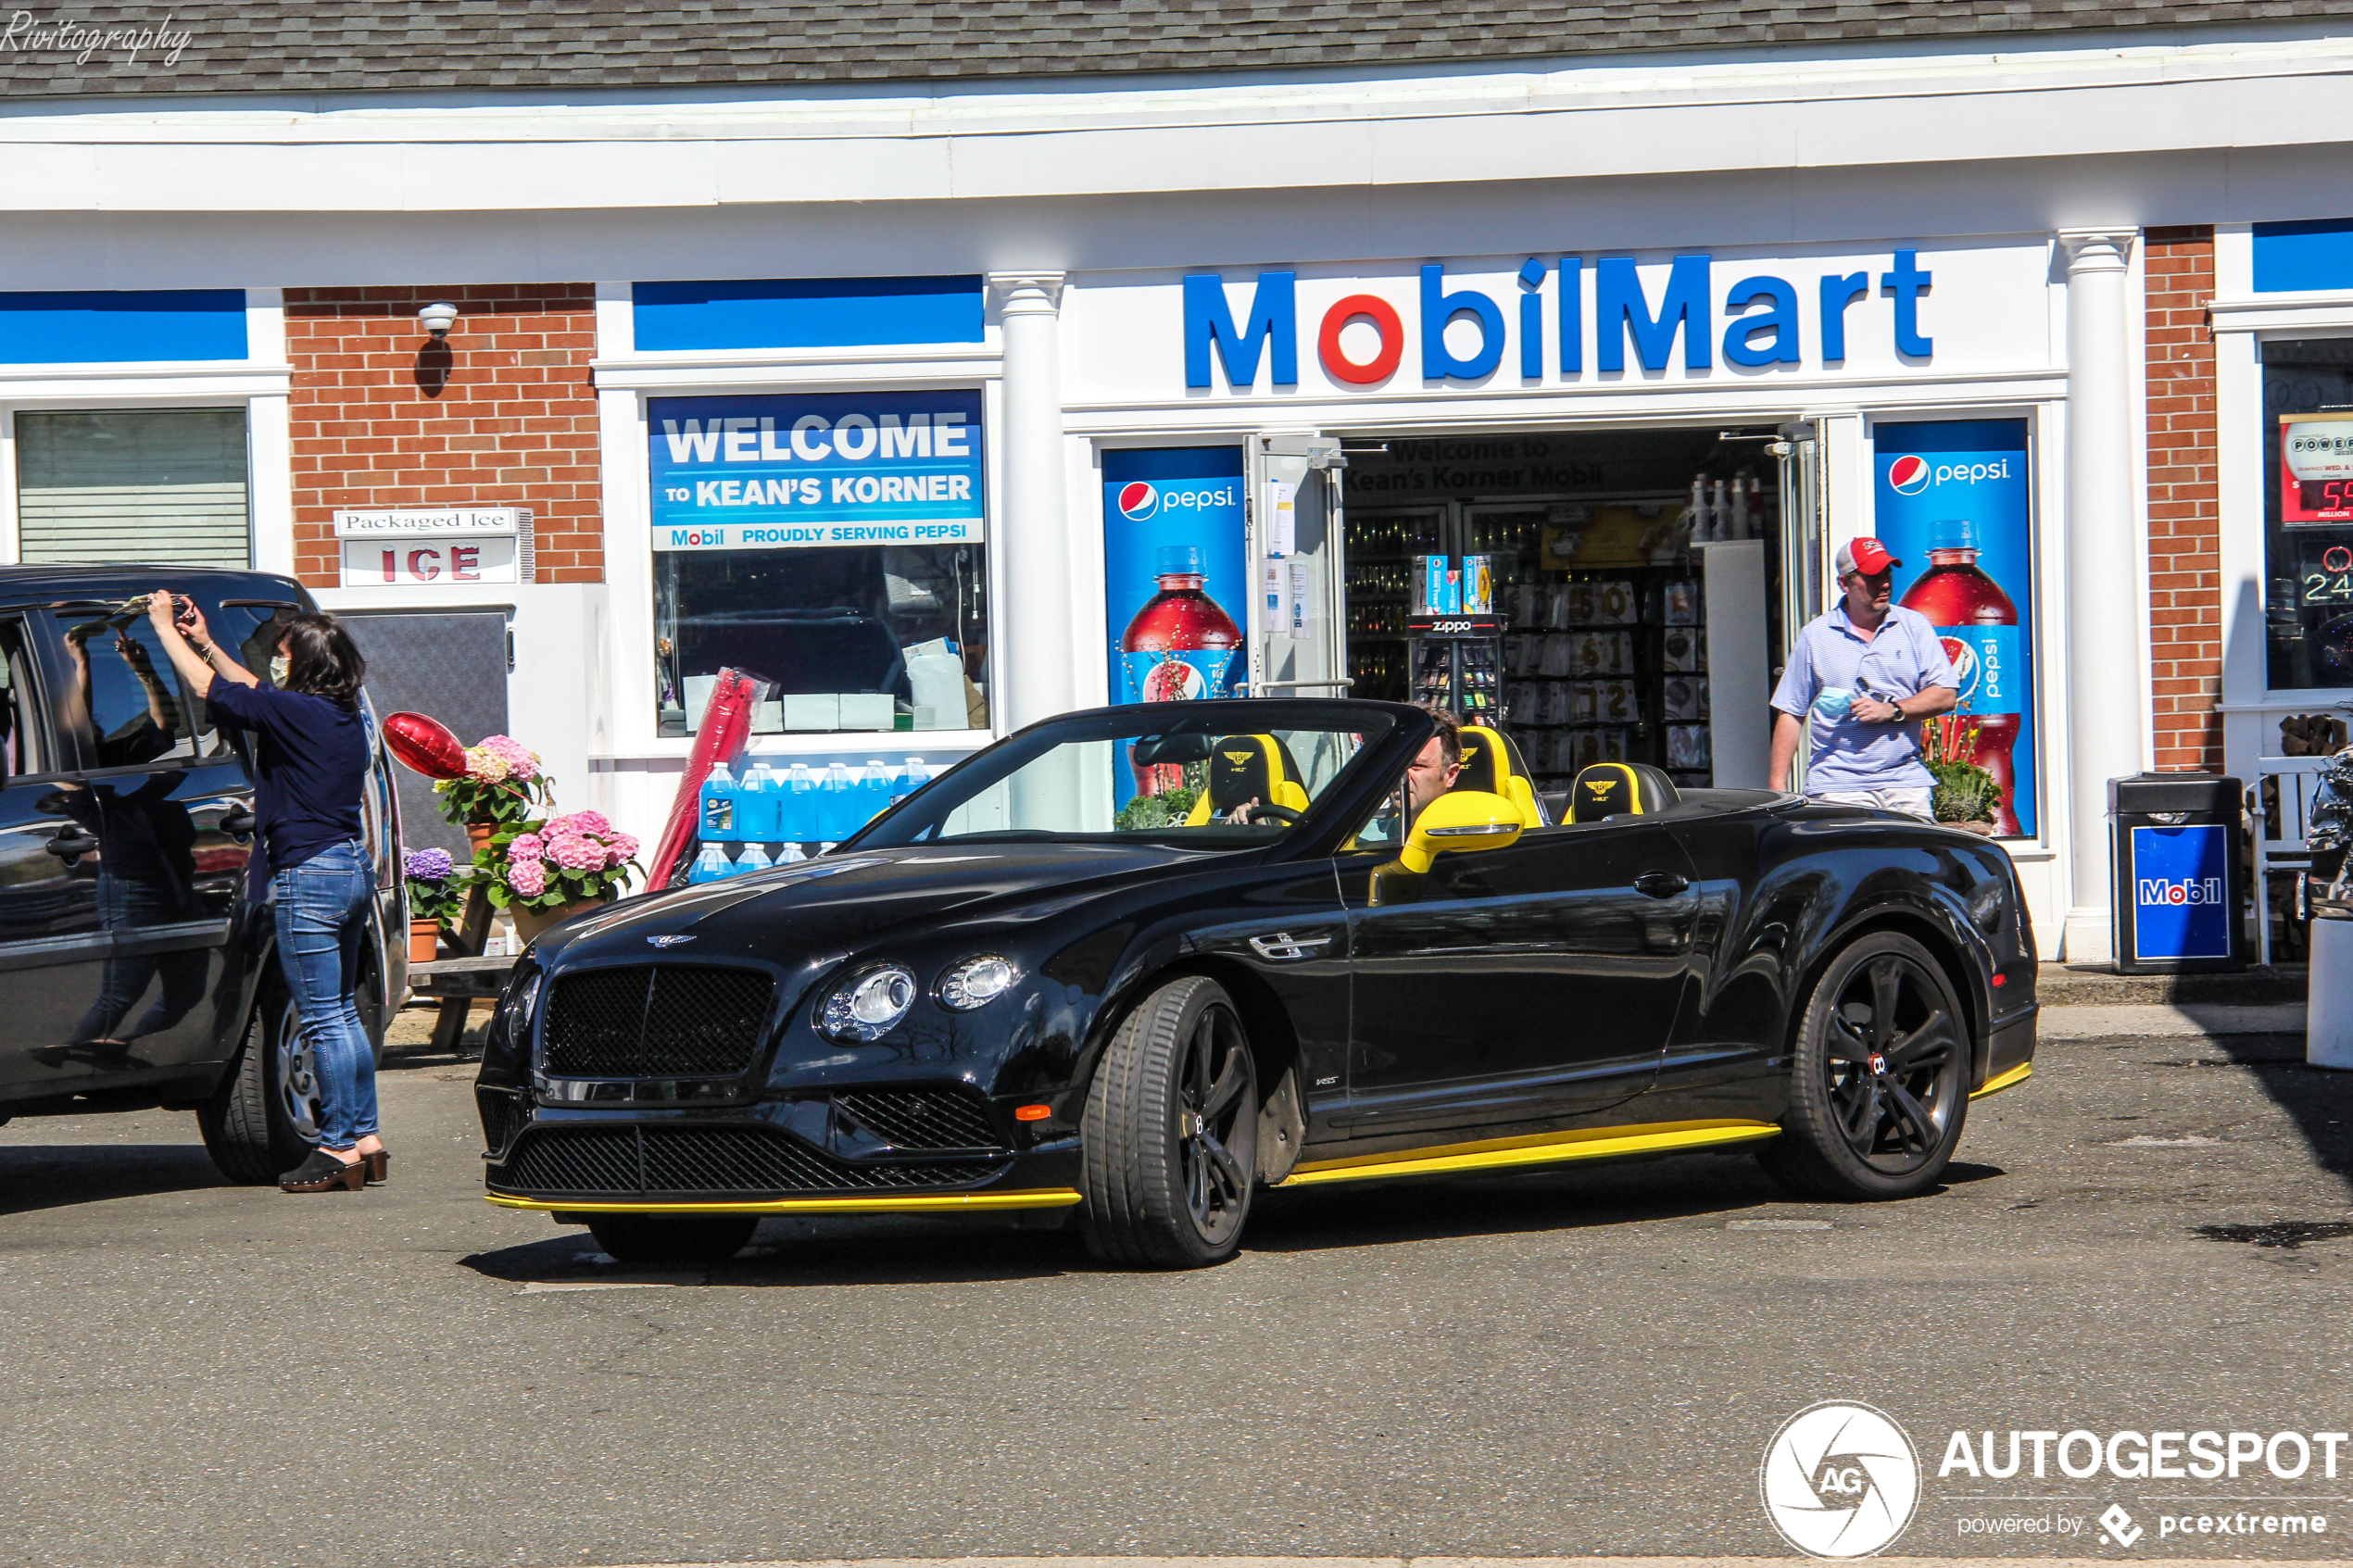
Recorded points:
781,472
1954,502
2182,906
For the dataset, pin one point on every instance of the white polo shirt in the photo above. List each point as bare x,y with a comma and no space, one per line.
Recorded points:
1831,666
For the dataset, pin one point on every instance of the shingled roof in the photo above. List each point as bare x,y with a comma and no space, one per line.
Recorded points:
302,46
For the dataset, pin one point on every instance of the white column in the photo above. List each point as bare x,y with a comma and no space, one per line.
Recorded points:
1030,632
2105,682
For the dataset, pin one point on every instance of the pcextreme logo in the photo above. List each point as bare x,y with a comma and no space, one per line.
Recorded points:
1840,1480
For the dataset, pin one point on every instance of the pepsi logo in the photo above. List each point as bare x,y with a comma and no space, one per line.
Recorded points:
1908,476
1964,665
1138,501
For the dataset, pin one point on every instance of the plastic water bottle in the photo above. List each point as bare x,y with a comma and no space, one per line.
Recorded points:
837,804
760,795
873,798
754,859
796,815
911,777
789,853
710,866
721,808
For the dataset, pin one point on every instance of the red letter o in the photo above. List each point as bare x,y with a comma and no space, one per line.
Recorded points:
1383,316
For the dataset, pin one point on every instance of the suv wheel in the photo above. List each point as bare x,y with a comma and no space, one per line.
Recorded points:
264,1118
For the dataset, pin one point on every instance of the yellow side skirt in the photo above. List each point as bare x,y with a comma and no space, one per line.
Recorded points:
907,1203
1542,1148
2009,1080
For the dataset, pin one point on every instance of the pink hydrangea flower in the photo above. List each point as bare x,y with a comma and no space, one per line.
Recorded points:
576,852
622,850
581,821
528,878
486,765
525,846
521,761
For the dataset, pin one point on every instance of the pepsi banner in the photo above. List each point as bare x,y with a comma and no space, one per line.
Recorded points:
1175,572
1954,504
776,472
2181,907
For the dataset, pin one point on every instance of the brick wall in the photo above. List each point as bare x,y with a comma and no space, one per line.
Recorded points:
503,415
2186,569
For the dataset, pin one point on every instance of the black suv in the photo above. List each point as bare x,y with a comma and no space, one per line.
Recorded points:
138,964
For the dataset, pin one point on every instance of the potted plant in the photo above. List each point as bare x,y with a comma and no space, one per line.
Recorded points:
502,788
551,870
436,898
1964,795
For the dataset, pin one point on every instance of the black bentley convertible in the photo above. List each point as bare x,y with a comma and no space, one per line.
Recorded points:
1129,966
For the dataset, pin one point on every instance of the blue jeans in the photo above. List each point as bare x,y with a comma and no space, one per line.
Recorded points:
323,913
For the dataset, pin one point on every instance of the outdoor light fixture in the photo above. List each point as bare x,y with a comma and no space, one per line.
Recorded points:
438,319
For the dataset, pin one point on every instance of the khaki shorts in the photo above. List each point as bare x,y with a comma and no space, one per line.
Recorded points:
1911,802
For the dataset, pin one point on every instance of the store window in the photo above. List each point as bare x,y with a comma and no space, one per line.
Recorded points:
831,546
2308,512
136,484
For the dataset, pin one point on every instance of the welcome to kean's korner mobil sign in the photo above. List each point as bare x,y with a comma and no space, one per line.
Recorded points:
784,473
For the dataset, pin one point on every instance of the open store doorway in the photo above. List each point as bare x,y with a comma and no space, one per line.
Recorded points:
1561,584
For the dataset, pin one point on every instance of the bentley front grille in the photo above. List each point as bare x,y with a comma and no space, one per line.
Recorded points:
656,1021
502,1116
648,1160
922,1118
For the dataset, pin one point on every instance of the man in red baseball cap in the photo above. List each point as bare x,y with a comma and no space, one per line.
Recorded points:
1860,678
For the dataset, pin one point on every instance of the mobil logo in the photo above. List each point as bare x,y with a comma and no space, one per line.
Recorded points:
1908,475
1139,502
2157,892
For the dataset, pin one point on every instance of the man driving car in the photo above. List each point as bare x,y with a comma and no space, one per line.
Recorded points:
1430,774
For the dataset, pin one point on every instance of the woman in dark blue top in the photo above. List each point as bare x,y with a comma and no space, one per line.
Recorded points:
310,758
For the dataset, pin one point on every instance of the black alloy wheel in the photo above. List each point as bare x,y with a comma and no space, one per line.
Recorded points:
672,1238
1170,1134
1879,1076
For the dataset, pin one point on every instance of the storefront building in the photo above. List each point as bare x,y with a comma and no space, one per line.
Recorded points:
1542,387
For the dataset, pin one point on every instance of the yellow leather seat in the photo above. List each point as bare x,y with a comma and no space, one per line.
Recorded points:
1490,763
1247,768
1619,789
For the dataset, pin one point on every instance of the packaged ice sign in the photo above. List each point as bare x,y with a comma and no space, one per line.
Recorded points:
2181,907
1447,332
787,472
442,547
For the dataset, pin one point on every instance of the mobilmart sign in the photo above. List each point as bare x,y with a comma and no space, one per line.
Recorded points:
1899,311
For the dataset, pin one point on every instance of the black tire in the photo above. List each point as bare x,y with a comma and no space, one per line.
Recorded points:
1878,1078
264,1118
672,1238
1170,1134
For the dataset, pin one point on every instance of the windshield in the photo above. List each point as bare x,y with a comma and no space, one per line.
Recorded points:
1212,775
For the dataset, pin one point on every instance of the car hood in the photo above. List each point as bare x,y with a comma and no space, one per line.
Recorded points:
814,911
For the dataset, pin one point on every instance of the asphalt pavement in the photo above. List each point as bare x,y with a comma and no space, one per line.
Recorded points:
2150,1234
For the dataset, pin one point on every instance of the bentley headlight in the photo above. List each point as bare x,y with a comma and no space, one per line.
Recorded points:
868,1007
977,981
515,1011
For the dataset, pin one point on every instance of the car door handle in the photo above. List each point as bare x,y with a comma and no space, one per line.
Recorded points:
71,842
1661,884
1282,944
238,823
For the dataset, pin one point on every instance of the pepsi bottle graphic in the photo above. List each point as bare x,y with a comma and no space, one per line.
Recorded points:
1179,646
1979,626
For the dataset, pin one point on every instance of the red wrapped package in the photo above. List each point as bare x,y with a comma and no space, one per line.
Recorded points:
726,726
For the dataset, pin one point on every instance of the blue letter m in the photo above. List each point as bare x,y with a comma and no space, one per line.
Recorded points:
1273,312
1617,297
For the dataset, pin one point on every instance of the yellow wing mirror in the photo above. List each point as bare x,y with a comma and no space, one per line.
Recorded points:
1459,819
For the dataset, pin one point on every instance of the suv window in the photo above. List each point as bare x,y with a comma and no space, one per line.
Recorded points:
24,748
140,711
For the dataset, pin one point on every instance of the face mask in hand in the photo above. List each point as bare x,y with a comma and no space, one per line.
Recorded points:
278,668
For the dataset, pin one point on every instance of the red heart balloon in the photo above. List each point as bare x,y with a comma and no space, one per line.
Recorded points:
424,745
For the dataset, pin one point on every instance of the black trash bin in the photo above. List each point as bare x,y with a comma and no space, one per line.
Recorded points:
2174,845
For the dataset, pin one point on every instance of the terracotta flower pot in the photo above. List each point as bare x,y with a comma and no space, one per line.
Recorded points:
479,835
424,940
1983,830
529,924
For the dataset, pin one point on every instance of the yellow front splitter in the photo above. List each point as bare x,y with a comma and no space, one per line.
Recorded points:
1542,1148
2009,1080
905,1203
